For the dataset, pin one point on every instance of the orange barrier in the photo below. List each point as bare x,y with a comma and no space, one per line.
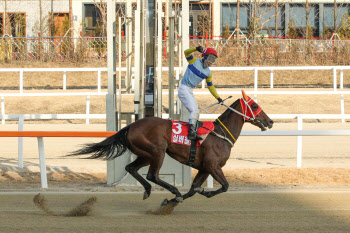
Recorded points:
55,134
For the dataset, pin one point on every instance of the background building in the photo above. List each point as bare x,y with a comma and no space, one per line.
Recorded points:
214,19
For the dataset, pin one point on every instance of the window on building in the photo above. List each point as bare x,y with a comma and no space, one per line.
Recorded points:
96,17
61,23
17,24
298,13
229,18
1,24
200,20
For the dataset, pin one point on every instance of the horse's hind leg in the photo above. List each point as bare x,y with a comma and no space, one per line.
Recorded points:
133,167
153,175
219,176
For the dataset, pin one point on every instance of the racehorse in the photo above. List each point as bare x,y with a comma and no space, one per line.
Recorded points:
150,138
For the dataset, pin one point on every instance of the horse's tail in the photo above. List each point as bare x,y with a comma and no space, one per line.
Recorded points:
110,148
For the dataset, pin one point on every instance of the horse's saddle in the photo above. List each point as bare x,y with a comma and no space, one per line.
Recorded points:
179,136
180,131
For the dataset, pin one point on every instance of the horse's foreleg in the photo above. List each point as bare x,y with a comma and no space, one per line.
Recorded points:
197,182
219,176
133,167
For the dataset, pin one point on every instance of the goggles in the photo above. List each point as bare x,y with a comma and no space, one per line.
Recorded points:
211,58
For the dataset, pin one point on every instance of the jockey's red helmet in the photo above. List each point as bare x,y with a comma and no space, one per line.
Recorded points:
208,51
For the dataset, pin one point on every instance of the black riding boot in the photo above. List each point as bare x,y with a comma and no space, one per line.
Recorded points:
192,133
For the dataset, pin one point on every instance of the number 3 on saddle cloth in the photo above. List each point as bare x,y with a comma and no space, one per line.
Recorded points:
180,131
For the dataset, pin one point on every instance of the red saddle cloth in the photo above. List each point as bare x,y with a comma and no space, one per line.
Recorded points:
179,132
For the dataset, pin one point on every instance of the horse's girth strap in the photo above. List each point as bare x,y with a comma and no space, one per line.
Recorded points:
226,129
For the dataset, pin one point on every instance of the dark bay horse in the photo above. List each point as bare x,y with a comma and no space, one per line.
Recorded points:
150,138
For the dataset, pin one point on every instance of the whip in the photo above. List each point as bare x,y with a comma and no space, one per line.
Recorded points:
218,104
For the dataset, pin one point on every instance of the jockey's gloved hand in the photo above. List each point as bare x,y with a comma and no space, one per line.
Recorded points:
199,49
220,100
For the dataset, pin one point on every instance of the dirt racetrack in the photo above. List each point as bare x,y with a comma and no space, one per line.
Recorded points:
231,212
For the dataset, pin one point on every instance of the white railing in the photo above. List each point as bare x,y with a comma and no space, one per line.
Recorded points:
87,116
65,70
88,94
273,68
178,69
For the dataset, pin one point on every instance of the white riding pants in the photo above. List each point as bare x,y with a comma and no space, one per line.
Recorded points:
185,94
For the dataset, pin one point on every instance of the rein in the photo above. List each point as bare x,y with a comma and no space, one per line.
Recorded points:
234,110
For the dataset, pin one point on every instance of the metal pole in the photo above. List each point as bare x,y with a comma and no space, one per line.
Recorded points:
120,74
187,174
159,62
111,117
128,22
138,60
150,59
111,49
171,58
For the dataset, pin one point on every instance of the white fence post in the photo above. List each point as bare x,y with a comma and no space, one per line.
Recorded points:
178,74
299,143
99,81
87,109
203,83
20,142
255,84
342,108
271,79
64,80
341,79
255,79
3,109
42,163
210,183
334,79
21,81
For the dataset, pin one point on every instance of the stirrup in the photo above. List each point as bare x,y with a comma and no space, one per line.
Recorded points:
194,137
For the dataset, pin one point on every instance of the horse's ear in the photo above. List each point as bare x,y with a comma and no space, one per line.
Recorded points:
246,98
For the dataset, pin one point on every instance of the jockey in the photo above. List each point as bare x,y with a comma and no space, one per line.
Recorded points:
197,70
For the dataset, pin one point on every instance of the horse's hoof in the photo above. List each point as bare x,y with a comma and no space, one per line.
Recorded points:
199,189
164,202
179,199
145,195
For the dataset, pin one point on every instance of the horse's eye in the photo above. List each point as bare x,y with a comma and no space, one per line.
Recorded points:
255,107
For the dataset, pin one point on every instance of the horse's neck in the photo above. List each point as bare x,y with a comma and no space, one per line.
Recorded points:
233,122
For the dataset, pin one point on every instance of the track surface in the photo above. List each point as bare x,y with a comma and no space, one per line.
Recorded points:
303,211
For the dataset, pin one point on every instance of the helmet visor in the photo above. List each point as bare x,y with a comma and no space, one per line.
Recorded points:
211,58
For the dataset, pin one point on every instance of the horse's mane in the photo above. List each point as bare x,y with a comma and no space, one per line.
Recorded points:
228,111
